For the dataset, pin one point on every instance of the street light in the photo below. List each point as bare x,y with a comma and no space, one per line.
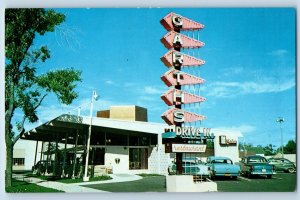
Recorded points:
94,98
281,120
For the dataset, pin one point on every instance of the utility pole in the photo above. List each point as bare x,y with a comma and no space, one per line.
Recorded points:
281,120
85,177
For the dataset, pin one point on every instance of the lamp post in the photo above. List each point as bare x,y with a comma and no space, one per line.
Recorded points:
281,120
94,98
245,151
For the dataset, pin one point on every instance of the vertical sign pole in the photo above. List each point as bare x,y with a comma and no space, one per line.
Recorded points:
178,140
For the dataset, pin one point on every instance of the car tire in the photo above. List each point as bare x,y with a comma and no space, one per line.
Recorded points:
291,170
234,177
249,175
269,176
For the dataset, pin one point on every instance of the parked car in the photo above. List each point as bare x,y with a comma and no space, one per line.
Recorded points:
190,167
283,164
222,166
172,168
40,167
256,165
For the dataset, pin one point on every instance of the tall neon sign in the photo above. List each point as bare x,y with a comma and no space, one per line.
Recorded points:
184,93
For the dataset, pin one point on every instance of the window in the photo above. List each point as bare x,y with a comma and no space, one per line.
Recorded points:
18,161
98,138
153,140
116,139
144,141
133,141
286,161
257,160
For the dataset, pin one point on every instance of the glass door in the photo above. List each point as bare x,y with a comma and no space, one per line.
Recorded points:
138,158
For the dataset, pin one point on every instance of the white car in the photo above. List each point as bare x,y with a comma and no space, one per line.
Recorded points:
191,168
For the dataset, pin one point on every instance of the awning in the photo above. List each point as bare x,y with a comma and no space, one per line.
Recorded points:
65,128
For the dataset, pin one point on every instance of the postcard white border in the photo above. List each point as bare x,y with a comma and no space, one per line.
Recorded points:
133,3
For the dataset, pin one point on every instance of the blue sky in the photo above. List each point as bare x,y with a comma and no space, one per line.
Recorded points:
249,69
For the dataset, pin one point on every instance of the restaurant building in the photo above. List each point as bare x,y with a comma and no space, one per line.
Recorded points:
122,141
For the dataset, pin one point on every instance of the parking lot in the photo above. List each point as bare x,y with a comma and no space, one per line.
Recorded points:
281,182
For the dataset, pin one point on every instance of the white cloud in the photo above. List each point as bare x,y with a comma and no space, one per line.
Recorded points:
244,128
100,104
232,71
129,84
231,89
46,113
153,90
147,98
109,82
278,52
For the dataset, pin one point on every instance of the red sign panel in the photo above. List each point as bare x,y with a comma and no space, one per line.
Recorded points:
176,77
174,115
171,97
170,21
173,39
173,56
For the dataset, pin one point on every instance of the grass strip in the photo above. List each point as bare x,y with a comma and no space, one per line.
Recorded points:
149,175
69,180
19,186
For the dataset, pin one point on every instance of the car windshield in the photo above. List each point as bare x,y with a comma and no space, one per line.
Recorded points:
222,161
257,160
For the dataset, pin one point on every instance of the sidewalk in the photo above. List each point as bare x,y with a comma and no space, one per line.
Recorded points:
76,187
116,178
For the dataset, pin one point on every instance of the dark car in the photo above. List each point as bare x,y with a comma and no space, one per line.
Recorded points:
256,165
283,164
40,167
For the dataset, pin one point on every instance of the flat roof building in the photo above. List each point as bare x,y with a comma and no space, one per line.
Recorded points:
121,140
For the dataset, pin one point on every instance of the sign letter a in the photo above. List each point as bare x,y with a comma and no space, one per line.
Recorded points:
177,40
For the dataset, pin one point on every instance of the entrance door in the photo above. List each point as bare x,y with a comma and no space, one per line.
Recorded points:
97,156
138,158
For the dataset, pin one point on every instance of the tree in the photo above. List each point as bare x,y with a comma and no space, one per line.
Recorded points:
25,90
252,150
269,150
290,147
